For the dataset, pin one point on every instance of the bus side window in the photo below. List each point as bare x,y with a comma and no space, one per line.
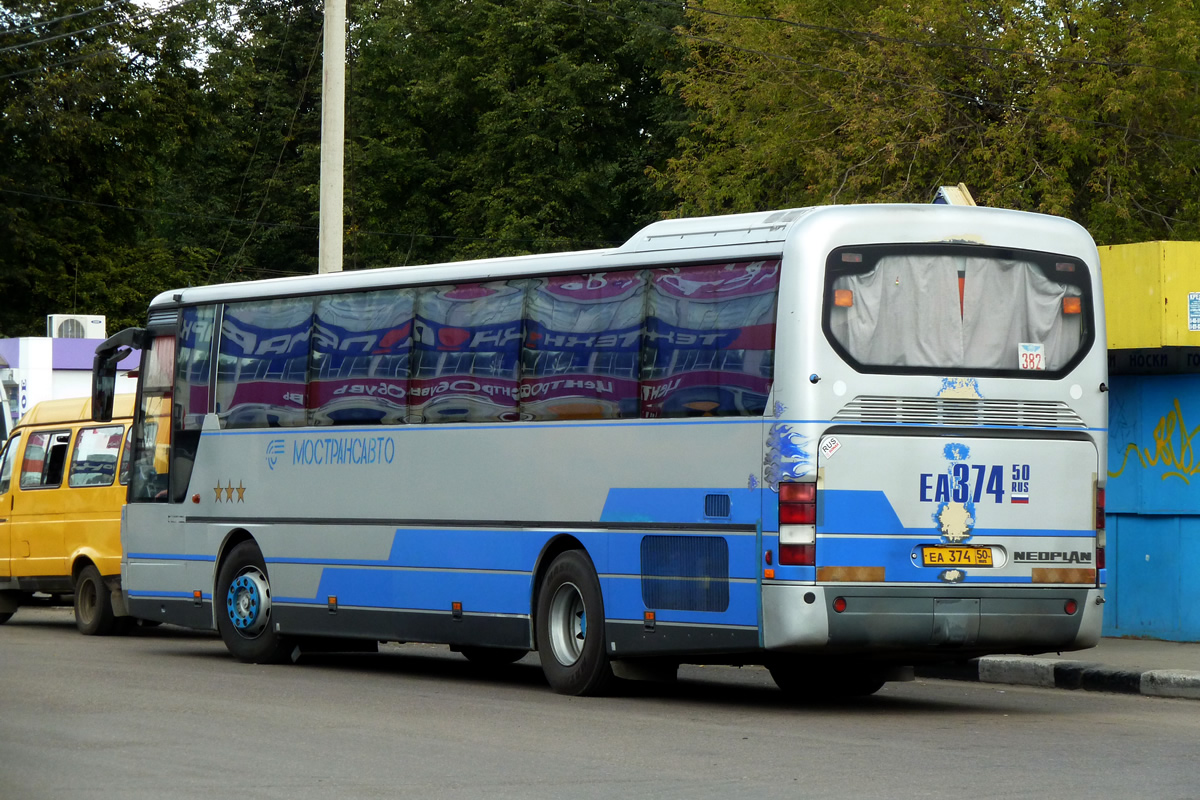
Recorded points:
6,466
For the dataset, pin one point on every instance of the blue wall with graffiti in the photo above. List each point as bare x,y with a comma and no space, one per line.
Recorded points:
1153,504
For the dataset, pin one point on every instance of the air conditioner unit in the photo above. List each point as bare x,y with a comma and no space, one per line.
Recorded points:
75,326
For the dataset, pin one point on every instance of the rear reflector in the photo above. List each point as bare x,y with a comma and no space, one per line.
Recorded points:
851,574
1100,510
1063,575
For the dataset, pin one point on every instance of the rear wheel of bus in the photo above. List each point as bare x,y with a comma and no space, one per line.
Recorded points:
93,604
243,599
570,627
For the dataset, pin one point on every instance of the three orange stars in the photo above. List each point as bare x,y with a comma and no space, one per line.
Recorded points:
228,491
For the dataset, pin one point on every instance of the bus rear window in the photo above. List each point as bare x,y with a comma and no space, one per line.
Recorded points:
952,308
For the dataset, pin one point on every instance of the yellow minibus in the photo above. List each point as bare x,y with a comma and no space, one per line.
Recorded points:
63,482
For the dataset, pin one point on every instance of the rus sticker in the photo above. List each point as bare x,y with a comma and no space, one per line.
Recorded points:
830,446
1031,356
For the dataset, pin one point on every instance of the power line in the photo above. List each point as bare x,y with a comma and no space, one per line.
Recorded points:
124,53
45,22
278,162
132,18
257,138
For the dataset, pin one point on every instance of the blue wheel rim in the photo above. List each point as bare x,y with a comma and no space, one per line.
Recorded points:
248,603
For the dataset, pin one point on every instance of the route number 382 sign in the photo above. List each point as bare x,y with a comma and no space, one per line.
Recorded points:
1031,356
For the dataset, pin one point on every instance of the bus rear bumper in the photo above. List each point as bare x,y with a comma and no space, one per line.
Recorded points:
917,622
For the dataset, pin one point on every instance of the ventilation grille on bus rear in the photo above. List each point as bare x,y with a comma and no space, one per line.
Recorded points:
716,505
685,573
959,412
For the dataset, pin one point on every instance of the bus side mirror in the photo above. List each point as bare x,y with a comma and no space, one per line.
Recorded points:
104,384
109,354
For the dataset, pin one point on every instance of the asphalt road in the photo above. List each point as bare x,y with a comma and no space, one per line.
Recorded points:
167,713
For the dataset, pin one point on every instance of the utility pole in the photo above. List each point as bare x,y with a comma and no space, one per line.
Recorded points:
333,137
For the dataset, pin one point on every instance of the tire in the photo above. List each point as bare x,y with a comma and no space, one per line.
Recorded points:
5,617
243,600
93,604
492,656
834,683
570,627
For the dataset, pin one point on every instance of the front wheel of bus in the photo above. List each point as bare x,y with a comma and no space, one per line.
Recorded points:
93,604
243,598
570,627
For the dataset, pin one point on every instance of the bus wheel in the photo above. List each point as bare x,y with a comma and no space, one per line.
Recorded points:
93,604
5,616
492,656
244,607
570,627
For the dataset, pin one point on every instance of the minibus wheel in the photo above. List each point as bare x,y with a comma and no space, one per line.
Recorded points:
243,600
570,627
93,604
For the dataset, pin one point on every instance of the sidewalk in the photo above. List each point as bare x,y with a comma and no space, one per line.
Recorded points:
1132,666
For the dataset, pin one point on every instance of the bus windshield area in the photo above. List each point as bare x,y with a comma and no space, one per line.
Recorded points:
956,311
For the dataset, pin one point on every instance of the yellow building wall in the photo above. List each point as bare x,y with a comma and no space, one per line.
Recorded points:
1146,294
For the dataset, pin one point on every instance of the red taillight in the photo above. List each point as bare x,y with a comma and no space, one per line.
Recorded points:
797,492
1100,557
798,513
797,503
1099,509
798,555
839,605
1071,607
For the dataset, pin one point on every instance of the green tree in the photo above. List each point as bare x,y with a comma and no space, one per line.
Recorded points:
249,188
487,128
1072,107
92,99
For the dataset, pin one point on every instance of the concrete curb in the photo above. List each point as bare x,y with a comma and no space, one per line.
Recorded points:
1056,673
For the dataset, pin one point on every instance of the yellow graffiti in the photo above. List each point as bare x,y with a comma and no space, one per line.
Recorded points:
1172,448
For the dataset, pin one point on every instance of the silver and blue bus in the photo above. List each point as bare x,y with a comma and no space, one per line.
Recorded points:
836,441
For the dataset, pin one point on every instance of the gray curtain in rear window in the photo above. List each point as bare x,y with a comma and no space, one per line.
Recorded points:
906,314
1007,303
